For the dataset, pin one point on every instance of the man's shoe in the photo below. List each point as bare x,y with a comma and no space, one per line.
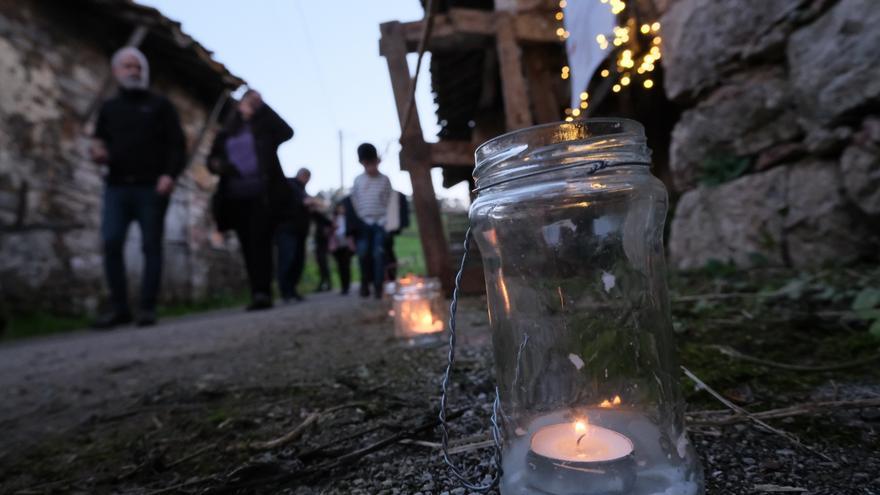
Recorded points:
365,291
146,318
259,302
110,320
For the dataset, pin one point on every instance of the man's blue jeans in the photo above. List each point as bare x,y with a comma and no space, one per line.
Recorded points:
291,242
371,254
122,205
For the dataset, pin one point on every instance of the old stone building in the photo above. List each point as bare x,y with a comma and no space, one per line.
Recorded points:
54,71
777,154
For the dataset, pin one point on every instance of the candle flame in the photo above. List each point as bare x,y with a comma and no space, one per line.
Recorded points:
418,317
580,426
610,403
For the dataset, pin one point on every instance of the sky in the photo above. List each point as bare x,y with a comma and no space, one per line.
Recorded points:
318,65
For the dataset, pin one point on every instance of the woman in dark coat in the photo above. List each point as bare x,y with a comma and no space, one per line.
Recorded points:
252,187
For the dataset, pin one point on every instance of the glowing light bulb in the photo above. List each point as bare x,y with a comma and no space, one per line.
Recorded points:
605,73
616,88
655,27
559,16
585,95
645,29
576,112
648,84
584,105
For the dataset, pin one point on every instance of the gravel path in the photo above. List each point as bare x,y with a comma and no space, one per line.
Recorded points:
177,409
53,383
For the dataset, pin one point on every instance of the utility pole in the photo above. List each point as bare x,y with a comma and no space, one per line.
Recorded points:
341,171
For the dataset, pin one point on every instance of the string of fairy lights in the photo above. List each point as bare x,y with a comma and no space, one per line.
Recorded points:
637,47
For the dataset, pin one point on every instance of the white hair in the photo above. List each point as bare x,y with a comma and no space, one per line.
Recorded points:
144,81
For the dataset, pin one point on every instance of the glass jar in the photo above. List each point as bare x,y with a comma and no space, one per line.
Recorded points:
419,310
569,222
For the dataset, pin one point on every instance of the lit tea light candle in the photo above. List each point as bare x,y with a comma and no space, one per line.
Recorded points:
580,442
581,458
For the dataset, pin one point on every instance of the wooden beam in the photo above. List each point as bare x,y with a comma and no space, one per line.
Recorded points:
460,28
415,157
452,153
513,83
542,79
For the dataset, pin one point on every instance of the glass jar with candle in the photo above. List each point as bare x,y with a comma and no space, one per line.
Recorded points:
419,310
569,222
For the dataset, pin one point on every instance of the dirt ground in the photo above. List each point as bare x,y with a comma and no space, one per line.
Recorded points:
318,398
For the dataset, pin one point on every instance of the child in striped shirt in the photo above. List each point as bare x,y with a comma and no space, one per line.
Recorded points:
369,197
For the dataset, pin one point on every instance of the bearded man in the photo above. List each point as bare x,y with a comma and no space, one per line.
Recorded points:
139,138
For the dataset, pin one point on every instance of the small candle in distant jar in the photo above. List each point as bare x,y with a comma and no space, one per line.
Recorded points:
580,442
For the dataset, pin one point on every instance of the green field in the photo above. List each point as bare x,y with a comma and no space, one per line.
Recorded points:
409,259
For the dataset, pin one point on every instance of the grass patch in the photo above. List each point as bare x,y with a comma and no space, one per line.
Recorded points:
39,324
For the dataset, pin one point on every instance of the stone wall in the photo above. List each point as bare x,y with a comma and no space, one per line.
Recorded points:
50,251
777,155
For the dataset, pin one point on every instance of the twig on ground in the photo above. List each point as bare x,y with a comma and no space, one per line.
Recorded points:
297,432
735,354
420,443
191,456
788,436
779,489
784,412
167,489
472,446
344,459
722,295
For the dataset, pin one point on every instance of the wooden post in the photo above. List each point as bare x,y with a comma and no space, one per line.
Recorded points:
415,157
513,83
541,78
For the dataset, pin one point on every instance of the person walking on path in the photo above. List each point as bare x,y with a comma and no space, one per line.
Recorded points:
139,137
341,244
252,187
369,196
323,232
291,237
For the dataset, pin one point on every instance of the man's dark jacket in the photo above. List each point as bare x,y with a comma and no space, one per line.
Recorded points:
143,137
269,131
297,213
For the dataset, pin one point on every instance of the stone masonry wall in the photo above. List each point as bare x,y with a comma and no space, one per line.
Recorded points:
777,157
50,192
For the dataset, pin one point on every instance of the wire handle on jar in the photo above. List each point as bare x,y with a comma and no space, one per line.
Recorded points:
444,431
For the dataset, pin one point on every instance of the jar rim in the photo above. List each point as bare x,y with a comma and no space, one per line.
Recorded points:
543,148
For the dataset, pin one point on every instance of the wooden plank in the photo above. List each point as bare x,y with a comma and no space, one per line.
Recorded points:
536,28
415,157
452,153
513,83
541,79
462,29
